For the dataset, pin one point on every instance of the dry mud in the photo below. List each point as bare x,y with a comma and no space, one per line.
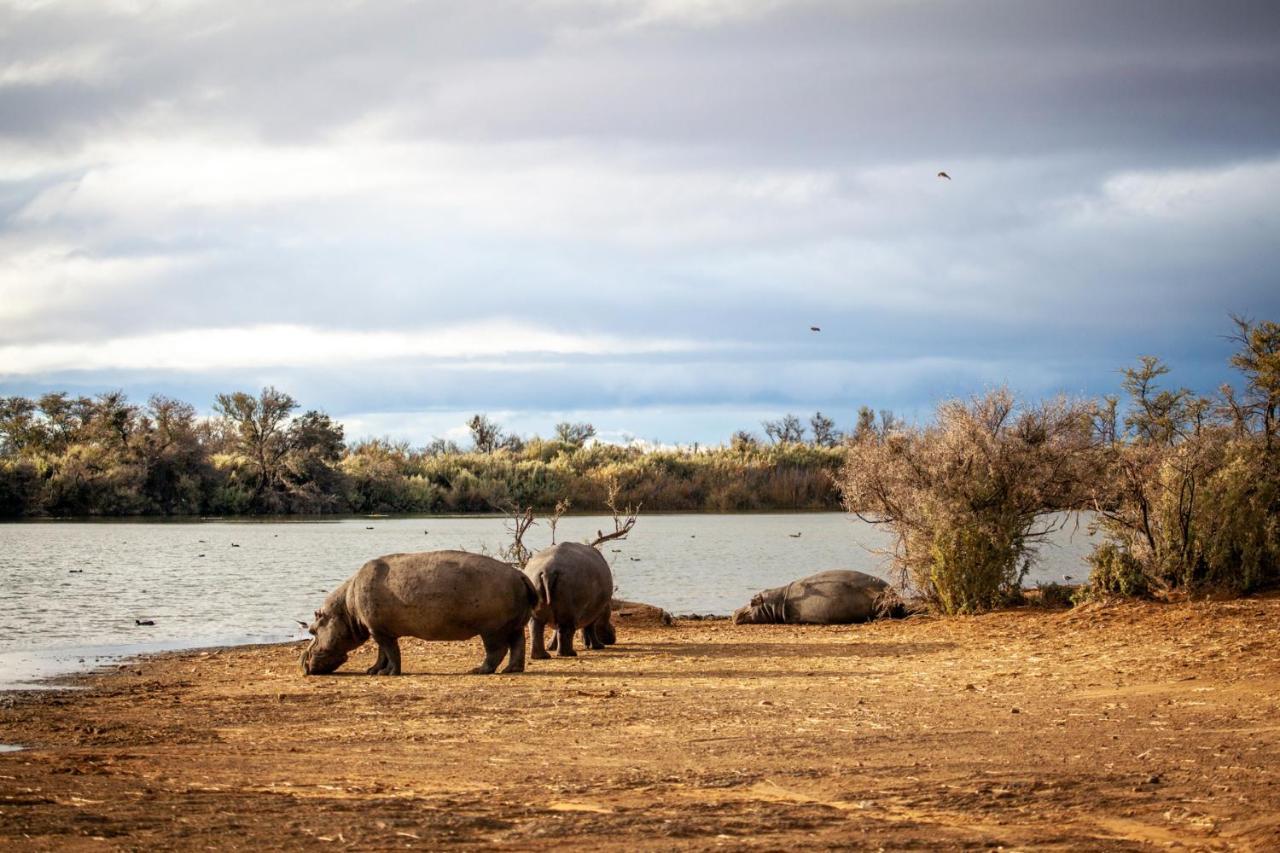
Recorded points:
1128,727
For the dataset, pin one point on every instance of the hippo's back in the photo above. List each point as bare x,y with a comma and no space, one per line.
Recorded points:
576,577
438,595
834,597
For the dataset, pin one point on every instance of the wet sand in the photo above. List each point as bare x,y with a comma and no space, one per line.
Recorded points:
1130,727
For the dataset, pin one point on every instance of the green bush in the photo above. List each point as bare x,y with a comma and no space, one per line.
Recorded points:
975,568
1116,572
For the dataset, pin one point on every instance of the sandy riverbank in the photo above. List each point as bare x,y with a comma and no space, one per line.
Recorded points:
1126,727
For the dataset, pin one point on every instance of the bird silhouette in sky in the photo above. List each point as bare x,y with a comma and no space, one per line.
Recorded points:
814,329
944,175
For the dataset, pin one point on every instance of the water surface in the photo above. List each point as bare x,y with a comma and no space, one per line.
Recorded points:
72,592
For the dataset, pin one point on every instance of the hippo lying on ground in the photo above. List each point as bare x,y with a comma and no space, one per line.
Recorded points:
574,585
828,598
438,595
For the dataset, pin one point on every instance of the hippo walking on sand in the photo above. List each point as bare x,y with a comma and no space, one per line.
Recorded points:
574,586
836,597
438,595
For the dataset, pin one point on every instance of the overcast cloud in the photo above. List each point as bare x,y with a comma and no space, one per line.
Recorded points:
630,211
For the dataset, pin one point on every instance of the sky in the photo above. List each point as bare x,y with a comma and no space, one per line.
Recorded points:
630,212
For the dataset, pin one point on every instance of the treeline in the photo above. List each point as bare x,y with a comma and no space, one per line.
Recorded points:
105,456
1186,488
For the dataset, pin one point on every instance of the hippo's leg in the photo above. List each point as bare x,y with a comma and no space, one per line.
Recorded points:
591,639
388,654
536,630
565,632
495,649
516,643
378,664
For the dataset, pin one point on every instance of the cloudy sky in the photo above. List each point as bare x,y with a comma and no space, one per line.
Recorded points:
630,211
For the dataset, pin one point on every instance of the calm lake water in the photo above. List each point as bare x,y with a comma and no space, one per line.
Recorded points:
72,591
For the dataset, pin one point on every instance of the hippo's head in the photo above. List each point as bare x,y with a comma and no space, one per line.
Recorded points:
765,608
334,638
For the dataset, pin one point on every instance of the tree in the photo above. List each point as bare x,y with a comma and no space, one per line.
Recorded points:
865,428
786,430
174,457
1259,360
259,426
1160,417
312,476
111,420
486,435
743,441
575,435
315,434
441,447
63,420
19,429
824,430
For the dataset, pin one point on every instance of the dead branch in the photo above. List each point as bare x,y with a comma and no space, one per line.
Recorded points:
518,524
562,506
623,520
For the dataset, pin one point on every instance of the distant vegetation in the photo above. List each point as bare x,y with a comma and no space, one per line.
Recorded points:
1185,489
105,456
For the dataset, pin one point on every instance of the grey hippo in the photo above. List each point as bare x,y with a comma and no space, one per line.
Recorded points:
437,595
836,597
574,585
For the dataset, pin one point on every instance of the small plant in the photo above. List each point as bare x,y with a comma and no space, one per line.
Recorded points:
1116,572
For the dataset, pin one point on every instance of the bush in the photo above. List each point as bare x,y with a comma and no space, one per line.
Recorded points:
966,498
1190,496
1116,572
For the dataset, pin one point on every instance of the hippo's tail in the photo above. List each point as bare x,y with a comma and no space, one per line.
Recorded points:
544,588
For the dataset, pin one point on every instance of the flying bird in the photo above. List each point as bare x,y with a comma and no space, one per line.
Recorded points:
944,175
815,329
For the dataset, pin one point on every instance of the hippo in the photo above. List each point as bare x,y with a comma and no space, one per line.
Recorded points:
437,595
575,586
835,597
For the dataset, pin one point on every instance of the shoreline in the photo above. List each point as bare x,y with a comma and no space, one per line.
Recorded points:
47,668
1114,728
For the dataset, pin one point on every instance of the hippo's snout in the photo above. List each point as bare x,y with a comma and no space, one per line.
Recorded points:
321,661
741,615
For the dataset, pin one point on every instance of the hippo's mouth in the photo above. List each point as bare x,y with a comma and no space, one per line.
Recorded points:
320,663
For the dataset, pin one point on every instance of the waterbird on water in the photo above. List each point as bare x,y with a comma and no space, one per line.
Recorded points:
143,622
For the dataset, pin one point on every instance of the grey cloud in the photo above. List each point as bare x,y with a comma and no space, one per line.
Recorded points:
1018,271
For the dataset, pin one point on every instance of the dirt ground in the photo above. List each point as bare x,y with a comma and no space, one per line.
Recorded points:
1125,727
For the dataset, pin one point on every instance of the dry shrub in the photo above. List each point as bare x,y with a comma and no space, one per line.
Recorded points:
967,498
1191,492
